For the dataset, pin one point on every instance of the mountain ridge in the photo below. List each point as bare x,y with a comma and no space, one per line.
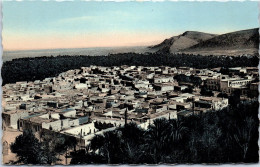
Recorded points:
182,41
194,42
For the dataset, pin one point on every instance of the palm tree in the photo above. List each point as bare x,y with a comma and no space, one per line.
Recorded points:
156,138
242,135
69,143
133,140
177,130
97,143
108,145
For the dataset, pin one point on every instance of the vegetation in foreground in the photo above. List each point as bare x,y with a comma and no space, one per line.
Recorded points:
226,136
47,150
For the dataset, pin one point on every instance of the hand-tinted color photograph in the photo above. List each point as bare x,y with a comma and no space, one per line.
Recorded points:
134,82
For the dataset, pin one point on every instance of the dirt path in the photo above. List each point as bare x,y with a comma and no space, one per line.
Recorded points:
9,136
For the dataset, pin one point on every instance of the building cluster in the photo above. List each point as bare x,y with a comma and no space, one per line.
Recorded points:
92,100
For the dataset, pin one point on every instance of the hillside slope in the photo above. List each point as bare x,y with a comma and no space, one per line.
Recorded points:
191,42
239,42
183,41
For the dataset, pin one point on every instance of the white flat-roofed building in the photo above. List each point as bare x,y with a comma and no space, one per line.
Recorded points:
214,103
163,79
81,86
228,85
10,118
81,130
168,114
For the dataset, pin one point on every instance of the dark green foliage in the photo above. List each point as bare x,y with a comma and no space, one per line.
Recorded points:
108,146
226,136
222,95
101,126
30,151
58,143
235,98
83,157
190,79
205,92
132,138
187,90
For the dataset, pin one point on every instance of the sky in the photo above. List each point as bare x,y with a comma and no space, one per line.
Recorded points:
31,25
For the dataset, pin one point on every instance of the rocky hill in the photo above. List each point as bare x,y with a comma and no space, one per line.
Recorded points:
234,43
183,41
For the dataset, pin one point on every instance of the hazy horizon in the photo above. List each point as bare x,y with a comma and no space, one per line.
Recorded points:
37,49
34,25
91,51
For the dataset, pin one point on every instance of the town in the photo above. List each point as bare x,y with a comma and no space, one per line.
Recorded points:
92,100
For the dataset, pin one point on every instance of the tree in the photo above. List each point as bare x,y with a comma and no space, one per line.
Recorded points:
108,145
205,92
222,95
177,131
225,136
29,150
235,98
187,90
58,144
242,134
63,144
133,141
70,143
83,157
156,139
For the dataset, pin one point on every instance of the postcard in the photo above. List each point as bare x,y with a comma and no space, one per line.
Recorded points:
133,82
